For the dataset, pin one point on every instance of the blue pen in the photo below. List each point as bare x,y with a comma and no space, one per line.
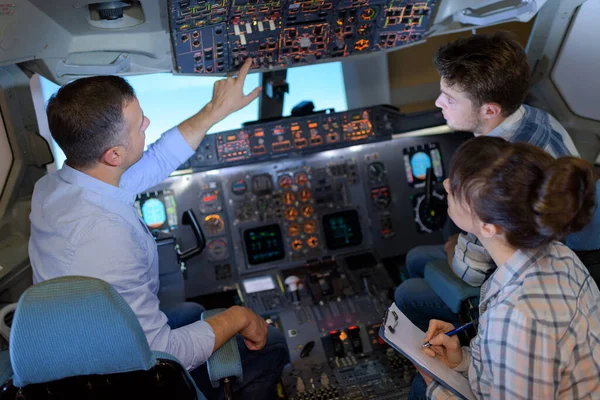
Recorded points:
455,331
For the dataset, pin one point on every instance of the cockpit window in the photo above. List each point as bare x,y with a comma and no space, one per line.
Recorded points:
323,84
168,99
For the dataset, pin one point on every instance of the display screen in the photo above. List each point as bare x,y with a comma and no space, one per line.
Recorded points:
416,161
342,229
158,210
262,184
264,244
259,284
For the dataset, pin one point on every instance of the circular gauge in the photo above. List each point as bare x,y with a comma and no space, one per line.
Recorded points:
239,187
293,230
297,245
312,242
431,216
291,213
376,172
217,249
307,210
305,194
285,181
288,198
213,224
301,178
310,227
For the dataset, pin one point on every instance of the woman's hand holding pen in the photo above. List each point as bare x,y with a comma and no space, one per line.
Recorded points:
445,348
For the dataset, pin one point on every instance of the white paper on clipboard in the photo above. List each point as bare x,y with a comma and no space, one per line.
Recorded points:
407,339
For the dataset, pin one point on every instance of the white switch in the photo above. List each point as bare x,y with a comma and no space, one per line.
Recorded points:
305,42
236,29
248,28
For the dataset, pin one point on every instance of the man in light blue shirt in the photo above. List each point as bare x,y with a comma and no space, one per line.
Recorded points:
83,221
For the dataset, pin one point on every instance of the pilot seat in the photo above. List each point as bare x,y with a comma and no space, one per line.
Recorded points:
77,338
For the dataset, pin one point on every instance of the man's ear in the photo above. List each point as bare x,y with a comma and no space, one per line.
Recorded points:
491,110
113,156
489,230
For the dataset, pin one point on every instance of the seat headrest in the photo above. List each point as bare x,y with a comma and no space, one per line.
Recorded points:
74,326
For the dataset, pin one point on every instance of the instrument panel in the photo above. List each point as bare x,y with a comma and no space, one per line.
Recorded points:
298,232
296,136
216,36
272,211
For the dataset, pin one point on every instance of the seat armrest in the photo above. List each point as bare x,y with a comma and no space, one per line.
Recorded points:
449,287
226,362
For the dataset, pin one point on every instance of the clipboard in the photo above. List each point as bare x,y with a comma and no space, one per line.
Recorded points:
400,333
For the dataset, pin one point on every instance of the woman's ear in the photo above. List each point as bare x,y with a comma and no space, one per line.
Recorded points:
489,230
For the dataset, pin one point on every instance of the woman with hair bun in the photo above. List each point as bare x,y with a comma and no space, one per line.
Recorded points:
539,327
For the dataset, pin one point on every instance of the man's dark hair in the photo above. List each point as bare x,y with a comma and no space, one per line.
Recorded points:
488,68
86,117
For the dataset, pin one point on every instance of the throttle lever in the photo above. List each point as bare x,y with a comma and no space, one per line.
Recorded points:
429,186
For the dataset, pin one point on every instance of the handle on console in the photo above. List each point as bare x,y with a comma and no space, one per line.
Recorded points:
189,218
429,186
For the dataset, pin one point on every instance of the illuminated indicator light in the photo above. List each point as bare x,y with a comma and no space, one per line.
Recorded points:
288,198
310,227
295,128
343,336
313,242
291,214
231,138
293,230
208,198
307,210
305,194
313,125
334,332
